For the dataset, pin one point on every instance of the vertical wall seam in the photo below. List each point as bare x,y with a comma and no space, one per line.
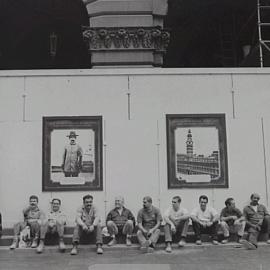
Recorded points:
265,163
233,97
24,100
105,168
128,98
158,166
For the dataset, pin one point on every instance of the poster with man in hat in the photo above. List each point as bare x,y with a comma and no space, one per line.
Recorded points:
72,157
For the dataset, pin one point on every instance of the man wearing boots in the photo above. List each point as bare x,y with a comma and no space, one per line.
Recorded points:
205,220
258,220
55,224
231,219
34,218
87,223
149,220
176,218
120,219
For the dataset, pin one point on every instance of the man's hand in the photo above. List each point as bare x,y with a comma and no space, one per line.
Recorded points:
150,232
203,224
91,228
173,229
209,223
234,218
85,227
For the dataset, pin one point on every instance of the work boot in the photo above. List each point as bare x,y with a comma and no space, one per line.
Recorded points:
74,250
40,246
248,245
14,244
225,240
62,246
168,248
99,249
199,242
112,242
215,242
128,242
34,243
182,242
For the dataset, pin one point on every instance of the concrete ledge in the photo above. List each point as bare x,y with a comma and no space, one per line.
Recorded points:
7,238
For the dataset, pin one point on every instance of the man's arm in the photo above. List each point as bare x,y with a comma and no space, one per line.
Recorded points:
109,217
96,216
158,219
78,218
245,214
140,220
131,217
194,216
167,218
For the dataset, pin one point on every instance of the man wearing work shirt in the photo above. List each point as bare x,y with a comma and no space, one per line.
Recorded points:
87,223
231,219
120,220
257,219
176,218
149,219
34,218
55,223
205,220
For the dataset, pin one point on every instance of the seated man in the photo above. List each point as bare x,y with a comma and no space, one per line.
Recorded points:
120,219
34,218
176,219
149,219
257,219
87,223
55,223
232,220
205,220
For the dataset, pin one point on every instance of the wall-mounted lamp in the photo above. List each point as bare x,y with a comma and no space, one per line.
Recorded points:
53,44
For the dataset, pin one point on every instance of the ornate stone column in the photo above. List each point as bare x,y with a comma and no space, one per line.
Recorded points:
126,32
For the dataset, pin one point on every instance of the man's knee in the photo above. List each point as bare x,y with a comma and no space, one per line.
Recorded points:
223,224
110,223
129,222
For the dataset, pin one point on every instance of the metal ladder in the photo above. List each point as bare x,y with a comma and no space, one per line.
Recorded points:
263,6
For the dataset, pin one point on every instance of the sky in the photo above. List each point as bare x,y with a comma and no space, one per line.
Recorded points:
205,140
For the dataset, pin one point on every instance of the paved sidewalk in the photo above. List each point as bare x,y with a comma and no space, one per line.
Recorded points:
208,257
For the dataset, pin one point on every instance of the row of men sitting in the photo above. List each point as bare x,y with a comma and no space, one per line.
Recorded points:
205,219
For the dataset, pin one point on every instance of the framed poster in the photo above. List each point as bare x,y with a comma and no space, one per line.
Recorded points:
72,153
196,151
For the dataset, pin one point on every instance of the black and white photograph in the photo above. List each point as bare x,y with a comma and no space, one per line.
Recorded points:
197,154
134,134
73,151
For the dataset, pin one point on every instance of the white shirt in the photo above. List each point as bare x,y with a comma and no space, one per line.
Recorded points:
204,216
171,214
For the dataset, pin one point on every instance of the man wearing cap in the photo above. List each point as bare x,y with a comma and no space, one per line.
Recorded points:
120,220
55,224
72,157
149,220
34,218
257,220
